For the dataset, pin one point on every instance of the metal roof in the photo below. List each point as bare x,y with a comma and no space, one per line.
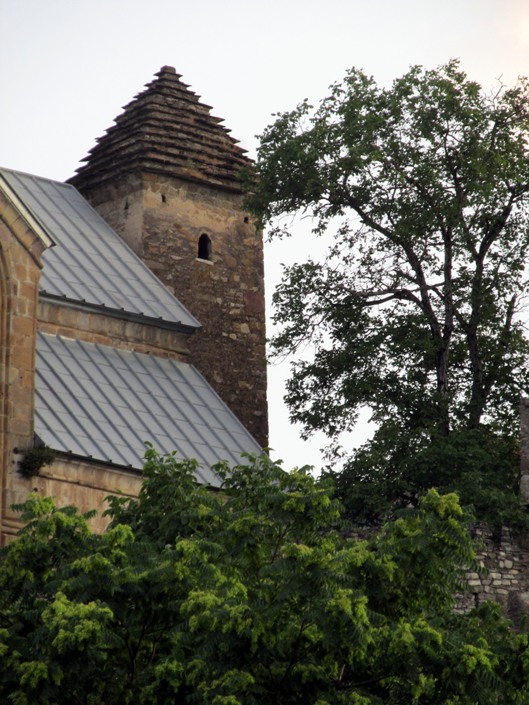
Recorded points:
90,265
104,403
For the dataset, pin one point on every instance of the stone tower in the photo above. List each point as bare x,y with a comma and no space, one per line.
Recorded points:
165,176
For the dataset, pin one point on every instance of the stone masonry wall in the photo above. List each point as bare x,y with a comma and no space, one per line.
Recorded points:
20,251
162,219
226,293
505,574
101,329
505,559
73,482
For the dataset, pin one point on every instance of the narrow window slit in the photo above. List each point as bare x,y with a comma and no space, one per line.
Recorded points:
204,247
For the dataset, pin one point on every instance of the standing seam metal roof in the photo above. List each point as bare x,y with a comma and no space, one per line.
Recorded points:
104,403
90,264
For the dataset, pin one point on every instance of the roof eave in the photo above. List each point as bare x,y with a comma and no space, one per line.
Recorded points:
176,326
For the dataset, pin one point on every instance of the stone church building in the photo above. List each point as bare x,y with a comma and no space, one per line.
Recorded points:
131,308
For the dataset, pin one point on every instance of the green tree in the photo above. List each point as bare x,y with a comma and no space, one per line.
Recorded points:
254,595
423,192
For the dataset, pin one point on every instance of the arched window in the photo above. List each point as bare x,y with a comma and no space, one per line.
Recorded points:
204,247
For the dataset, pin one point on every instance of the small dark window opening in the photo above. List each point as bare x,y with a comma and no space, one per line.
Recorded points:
204,247
164,199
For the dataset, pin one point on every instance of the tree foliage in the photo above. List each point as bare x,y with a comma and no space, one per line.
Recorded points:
253,595
423,191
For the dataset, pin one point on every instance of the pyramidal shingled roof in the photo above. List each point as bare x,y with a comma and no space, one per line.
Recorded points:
166,130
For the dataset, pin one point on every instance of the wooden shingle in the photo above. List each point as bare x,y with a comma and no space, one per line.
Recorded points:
166,130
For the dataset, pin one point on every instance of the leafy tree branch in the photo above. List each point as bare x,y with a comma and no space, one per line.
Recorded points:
415,312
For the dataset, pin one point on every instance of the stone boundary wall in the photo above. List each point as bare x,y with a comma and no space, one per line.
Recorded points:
504,577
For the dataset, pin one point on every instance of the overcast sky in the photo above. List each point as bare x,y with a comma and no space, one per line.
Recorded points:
68,66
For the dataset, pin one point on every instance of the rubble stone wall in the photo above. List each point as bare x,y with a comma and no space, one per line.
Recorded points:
504,576
163,218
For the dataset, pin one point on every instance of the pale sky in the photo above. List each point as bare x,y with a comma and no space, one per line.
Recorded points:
68,66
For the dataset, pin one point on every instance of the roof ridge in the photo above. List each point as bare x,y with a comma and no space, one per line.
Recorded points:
169,119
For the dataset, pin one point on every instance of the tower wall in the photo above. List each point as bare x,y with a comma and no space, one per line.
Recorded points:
163,219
